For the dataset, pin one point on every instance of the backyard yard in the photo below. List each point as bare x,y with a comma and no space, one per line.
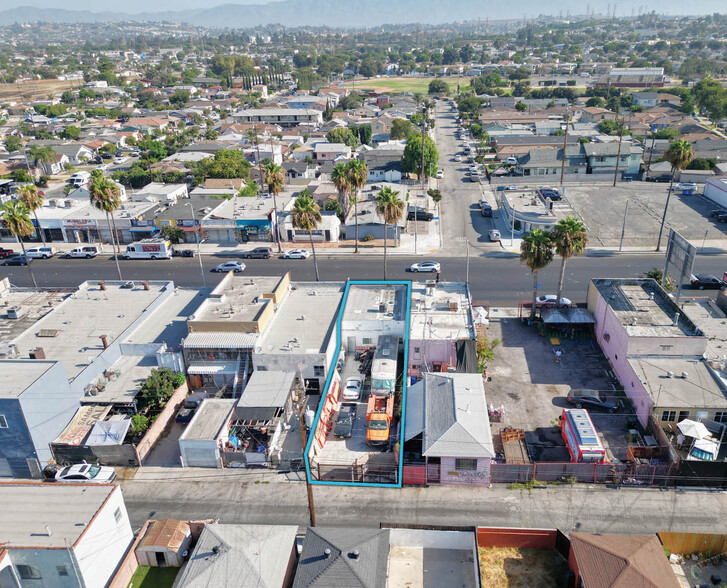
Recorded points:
148,577
516,567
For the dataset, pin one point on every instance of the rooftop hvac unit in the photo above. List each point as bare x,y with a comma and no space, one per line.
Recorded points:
15,312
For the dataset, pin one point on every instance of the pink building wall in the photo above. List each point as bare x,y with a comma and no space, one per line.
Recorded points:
450,476
432,351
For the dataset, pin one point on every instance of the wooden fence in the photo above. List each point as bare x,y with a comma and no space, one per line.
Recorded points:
688,543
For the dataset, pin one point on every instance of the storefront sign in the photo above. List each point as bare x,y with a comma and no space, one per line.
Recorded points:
79,223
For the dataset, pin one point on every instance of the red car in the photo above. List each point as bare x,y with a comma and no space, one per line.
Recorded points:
4,253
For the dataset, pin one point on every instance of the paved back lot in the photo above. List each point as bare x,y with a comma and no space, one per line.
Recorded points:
526,379
603,207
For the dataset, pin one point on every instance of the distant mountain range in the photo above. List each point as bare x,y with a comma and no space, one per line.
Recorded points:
333,13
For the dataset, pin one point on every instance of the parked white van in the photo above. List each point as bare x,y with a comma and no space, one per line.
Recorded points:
87,251
41,252
79,179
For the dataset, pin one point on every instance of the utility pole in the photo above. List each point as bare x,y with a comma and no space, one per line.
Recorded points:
648,163
623,227
259,162
309,488
618,153
197,238
565,144
424,136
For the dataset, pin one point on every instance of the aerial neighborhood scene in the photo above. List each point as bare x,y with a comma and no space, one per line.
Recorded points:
301,295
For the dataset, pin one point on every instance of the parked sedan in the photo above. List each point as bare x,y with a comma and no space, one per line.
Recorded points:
18,259
352,391
230,266
425,266
494,234
717,212
705,282
458,157
591,399
296,254
550,300
86,474
440,174
344,422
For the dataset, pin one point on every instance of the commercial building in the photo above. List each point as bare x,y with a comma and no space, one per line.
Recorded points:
284,117
633,77
206,434
62,535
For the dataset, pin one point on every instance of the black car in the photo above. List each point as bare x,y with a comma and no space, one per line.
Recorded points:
19,259
344,422
705,282
550,193
591,399
486,210
717,212
662,179
416,213
258,253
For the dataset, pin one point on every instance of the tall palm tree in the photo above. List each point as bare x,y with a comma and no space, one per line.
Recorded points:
680,154
275,179
306,216
358,173
536,251
391,207
105,195
570,237
339,177
254,138
40,154
28,194
16,218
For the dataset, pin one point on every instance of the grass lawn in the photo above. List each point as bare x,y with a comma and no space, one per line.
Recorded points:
148,577
412,84
511,567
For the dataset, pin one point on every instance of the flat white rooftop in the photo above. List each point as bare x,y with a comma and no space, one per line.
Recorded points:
305,320
72,331
236,299
30,510
208,419
440,312
375,302
17,375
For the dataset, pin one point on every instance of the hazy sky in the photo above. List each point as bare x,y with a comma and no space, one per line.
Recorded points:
130,6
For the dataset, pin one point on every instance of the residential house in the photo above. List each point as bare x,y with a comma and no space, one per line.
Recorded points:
448,413
371,222
242,555
603,157
56,166
381,127
645,99
549,161
298,170
328,230
609,561
77,153
323,152
333,557
384,162
597,114
69,535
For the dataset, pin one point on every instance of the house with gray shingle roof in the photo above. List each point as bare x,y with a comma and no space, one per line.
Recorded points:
341,557
449,411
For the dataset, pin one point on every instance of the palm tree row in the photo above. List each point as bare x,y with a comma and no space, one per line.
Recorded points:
106,196
349,178
568,238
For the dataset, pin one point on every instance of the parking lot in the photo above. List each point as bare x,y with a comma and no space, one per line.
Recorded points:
603,206
532,386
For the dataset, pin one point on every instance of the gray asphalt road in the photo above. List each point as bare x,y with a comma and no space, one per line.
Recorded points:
496,277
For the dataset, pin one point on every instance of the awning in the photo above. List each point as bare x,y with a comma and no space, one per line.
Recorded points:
567,316
414,424
221,368
142,229
81,424
690,428
220,340
109,432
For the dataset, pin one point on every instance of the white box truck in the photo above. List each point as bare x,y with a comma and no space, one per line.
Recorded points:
384,366
79,179
148,249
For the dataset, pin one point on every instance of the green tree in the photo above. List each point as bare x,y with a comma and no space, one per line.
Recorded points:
343,135
21,176
275,180
667,133
28,194
68,97
536,252
680,154
105,195
70,132
226,163
401,128
595,101
306,217
339,177
521,107
42,154
391,208
570,238
439,87
411,160
364,134
172,233
250,190
139,424
357,173
179,98
16,219
12,143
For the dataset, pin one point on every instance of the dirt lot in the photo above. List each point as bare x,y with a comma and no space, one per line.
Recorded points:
512,567
602,208
35,89
526,379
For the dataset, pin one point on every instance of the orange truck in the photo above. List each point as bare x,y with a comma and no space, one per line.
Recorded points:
379,413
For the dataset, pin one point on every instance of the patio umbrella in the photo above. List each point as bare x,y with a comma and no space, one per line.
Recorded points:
693,429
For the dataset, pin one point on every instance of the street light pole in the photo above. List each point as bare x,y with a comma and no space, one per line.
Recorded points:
196,238
623,227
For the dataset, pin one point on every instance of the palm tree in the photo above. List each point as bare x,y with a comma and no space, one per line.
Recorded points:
536,251
391,207
29,195
570,237
680,154
254,138
275,179
339,177
16,218
306,216
105,195
358,173
40,154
